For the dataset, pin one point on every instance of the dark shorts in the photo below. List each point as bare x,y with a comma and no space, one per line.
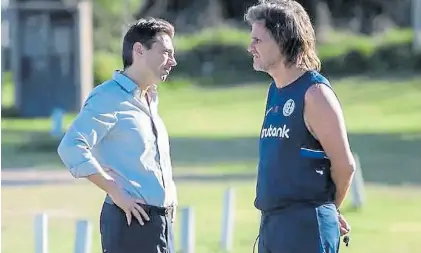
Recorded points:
155,236
300,230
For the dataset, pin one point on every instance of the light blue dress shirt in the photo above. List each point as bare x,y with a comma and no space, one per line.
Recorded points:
115,133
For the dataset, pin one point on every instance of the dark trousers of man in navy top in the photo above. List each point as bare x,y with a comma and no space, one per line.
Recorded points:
155,236
303,229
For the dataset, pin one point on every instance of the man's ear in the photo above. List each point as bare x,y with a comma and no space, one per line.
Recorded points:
138,48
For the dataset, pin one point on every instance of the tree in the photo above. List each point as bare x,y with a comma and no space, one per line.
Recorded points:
188,15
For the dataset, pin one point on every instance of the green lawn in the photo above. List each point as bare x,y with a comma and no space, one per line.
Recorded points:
211,132
389,223
370,105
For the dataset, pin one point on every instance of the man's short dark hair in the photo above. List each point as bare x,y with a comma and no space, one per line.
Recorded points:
144,31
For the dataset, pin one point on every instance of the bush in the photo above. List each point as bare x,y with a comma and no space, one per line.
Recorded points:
216,64
386,59
391,51
219,57
104,65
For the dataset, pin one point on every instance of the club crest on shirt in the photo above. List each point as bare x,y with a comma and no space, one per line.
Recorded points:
289,107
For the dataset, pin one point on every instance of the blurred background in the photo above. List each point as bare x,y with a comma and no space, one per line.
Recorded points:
55,52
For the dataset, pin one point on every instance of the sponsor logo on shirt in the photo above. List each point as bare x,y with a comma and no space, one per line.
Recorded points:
275,132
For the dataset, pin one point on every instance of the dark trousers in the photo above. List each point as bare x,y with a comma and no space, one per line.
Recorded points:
300,230
155,236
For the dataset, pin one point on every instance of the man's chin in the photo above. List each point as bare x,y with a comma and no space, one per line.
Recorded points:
257,67
260,68
163,78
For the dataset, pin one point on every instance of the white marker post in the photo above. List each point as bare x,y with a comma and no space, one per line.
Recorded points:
357,185
83,241
187,230
228,220
41,233
57,122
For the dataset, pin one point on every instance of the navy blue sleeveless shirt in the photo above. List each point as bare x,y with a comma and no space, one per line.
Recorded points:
293,167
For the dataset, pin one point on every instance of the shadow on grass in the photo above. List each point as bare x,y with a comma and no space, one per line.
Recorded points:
22,149
385,158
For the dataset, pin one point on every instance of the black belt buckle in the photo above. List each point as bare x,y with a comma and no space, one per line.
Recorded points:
147,209
154,210
169,211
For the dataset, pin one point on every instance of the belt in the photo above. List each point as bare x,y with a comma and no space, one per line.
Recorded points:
155,210
281,208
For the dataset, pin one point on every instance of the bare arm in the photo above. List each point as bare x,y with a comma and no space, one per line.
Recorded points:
324,115
104,182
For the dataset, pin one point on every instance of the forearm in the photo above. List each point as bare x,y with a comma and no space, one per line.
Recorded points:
104,182
342,177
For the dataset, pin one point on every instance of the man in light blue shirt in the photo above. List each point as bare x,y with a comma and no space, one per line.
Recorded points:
119,143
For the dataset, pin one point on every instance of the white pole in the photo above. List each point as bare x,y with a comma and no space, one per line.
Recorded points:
187,230
357,185
83,242
416,20
228,220
41,233
57,122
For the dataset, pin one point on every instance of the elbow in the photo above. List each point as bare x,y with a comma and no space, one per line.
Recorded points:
344,171
61,149
352,167
348,169
71,156
64,151
78,159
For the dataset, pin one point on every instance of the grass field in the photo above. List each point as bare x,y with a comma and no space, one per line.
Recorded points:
213,133
389,223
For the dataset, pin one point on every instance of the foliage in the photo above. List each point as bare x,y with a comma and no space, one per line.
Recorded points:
219,56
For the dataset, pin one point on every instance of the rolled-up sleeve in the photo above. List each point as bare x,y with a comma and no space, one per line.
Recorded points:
90,126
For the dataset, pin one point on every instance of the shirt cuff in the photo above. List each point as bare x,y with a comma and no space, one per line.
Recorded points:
86,169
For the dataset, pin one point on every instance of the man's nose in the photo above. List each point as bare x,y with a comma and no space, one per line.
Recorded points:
250,48
173,62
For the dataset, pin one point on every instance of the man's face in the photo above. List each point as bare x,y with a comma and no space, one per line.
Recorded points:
265,50
158,61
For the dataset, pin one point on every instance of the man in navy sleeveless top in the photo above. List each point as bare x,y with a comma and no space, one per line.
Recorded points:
305,162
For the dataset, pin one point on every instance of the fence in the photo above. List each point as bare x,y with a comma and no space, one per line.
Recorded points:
83,236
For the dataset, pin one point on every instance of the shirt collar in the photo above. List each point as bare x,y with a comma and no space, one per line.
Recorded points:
124,81
131,86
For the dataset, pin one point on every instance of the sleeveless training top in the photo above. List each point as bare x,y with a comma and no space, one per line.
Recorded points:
293,167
